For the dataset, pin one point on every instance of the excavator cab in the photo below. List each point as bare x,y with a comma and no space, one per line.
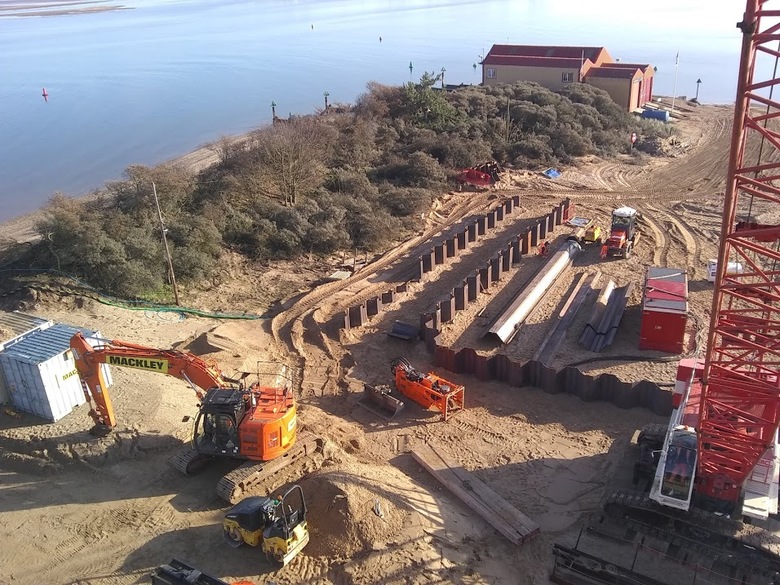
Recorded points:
216,428
277,524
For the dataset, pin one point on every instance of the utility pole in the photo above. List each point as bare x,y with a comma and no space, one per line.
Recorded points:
507,119
165,244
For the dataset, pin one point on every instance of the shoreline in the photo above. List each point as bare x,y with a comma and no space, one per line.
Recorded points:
38,8
21,229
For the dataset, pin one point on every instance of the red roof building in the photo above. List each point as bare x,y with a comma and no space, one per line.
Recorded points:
554,67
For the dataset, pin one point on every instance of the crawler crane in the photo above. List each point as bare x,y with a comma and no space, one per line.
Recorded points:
717,465
254,423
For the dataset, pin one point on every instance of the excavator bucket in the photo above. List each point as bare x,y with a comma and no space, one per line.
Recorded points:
377,399
180,573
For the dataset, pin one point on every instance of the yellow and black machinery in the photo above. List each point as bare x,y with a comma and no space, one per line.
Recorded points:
593,234
277,524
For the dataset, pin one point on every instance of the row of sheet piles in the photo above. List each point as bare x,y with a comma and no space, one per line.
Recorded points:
359,314
458,299
534,374
485,276
605,387
523,243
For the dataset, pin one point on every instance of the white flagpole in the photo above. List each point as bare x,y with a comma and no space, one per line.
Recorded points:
674,91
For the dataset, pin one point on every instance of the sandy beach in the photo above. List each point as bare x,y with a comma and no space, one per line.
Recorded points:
22,228
37,8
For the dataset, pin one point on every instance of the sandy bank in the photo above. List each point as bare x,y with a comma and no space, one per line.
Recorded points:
29,8
22,229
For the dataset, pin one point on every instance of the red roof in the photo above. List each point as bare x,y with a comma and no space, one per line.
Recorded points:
618,65
613,72
558,62
591,53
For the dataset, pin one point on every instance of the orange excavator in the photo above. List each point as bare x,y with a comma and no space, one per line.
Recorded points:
255,423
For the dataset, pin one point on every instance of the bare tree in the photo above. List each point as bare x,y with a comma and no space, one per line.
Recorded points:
291,158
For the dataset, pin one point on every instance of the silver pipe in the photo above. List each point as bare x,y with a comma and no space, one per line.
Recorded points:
507,324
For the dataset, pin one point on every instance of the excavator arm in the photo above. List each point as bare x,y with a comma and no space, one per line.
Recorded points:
200,374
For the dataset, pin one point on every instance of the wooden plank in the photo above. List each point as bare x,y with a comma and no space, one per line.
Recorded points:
433,463
504,517
492,500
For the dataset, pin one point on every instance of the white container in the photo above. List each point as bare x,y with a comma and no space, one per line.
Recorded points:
41,373
14,327
712,269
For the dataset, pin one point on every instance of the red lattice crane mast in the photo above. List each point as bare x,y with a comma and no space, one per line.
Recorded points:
739,409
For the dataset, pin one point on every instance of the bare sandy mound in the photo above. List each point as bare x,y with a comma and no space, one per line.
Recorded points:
355,507
237,345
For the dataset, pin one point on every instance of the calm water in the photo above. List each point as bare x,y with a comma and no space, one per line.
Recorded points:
161,78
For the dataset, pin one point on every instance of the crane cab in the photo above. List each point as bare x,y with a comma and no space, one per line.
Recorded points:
674,480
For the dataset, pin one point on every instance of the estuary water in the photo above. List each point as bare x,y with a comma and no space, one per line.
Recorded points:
157,78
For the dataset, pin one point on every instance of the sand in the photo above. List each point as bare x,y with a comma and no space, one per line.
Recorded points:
78,509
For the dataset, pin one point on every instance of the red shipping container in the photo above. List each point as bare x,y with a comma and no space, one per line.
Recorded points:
664,310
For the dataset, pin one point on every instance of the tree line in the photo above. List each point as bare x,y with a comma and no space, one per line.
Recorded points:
320,184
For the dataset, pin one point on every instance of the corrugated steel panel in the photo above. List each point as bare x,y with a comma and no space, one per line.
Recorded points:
14,327
41,372
666,289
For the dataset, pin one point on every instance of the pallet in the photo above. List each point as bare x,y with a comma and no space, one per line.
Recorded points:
508,520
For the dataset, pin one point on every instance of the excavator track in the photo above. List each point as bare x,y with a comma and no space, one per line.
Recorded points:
718,537
189,462
242,480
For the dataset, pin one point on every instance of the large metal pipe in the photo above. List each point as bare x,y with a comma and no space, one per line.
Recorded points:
507,324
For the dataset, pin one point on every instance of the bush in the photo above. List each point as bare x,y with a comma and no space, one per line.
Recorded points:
320,184
404,202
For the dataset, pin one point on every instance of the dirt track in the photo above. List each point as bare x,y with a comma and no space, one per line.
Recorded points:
74,509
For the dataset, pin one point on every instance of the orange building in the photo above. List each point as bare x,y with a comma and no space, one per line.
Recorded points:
628,84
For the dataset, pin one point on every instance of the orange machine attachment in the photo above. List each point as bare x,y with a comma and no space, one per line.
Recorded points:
428,389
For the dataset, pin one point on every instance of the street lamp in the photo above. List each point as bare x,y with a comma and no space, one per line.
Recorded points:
326,94
443,71
273,109
698,83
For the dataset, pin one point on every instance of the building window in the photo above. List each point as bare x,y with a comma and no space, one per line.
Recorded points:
491,73
568,77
